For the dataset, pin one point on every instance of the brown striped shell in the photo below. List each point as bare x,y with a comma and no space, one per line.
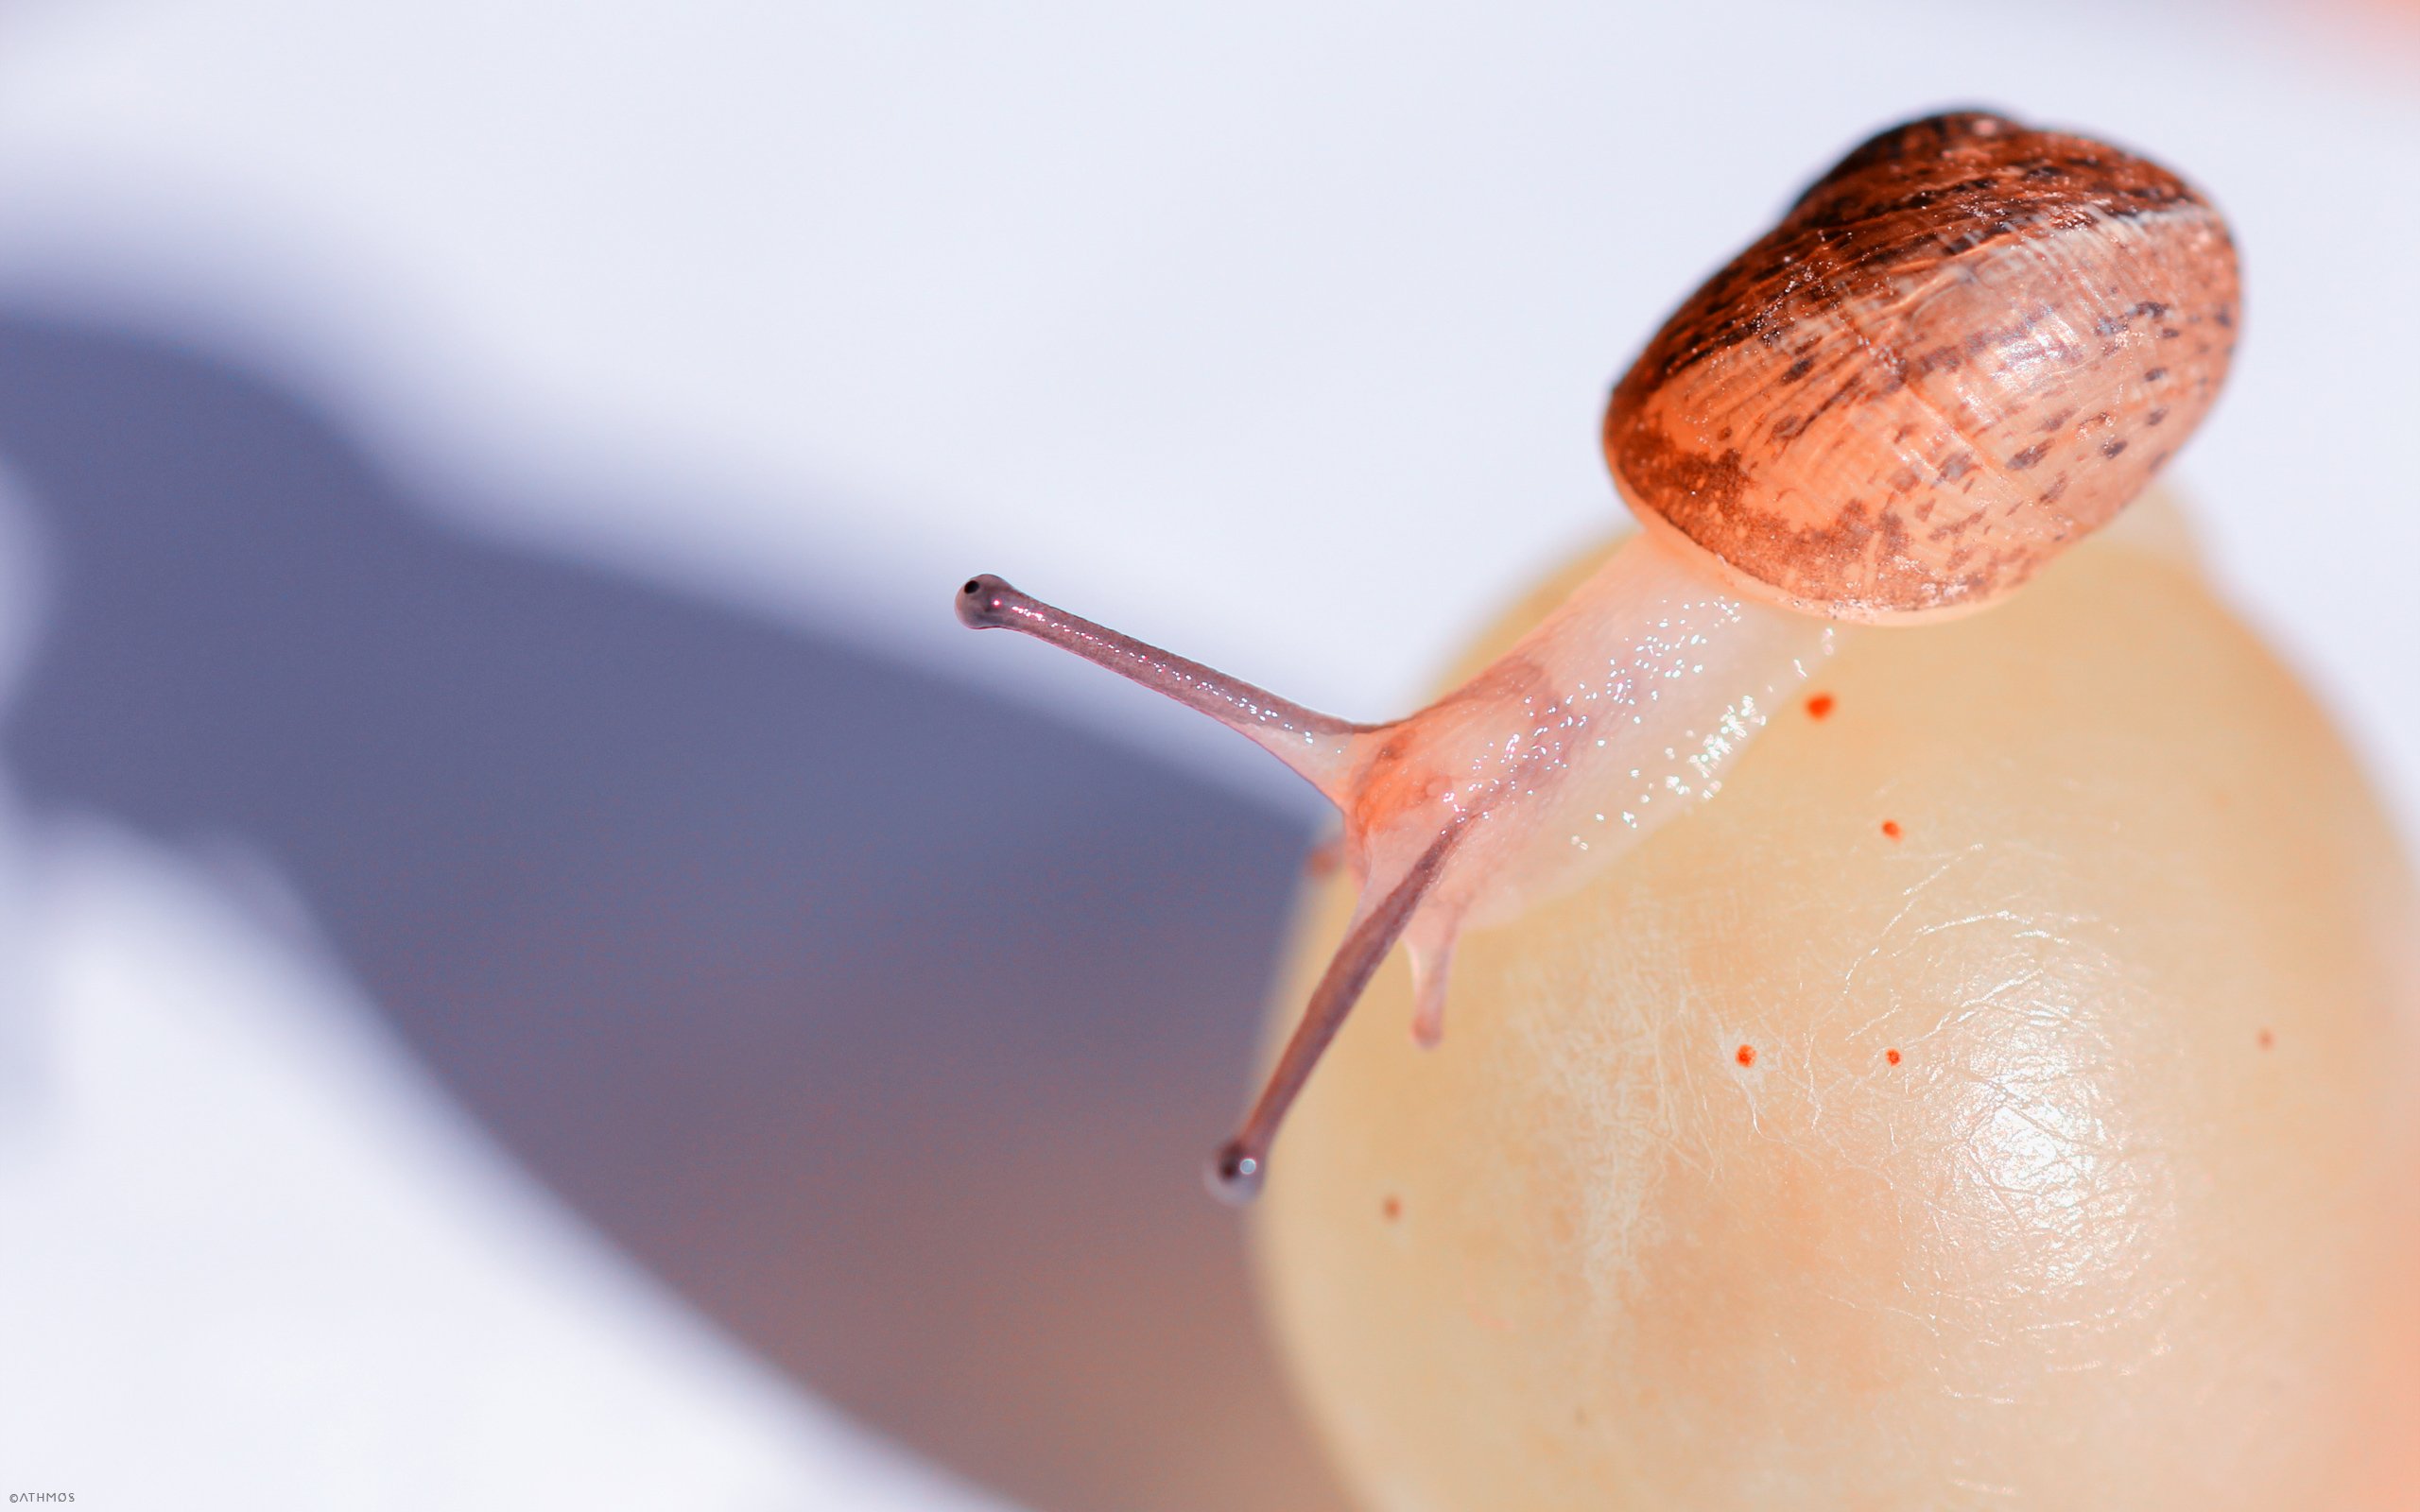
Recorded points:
1968,345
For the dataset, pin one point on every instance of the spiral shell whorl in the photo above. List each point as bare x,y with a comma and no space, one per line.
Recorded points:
1967,345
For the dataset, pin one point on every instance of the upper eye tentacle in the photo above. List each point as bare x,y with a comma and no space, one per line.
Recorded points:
1318,747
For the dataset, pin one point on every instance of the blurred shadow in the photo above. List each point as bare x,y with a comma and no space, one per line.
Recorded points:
886,1020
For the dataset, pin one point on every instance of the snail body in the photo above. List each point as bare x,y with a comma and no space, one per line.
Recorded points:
1967,346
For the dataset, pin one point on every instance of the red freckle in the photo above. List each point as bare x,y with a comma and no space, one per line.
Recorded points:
1819,706
2267,1040
1890,1056
1392,1208
1747,1055
1891,828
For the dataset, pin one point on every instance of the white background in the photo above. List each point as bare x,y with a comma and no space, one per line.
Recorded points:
1274,331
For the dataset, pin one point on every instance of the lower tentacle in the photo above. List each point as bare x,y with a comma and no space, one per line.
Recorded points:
1236,1170
1429,943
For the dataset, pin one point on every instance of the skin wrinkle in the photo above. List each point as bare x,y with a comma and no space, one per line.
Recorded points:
1927,931
2039,1182
1614,1207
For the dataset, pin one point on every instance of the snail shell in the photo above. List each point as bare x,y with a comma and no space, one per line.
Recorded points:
1966,346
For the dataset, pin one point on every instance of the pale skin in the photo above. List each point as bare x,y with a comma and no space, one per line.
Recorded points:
2000,1096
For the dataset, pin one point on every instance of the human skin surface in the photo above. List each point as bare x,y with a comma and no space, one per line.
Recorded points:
1998,1096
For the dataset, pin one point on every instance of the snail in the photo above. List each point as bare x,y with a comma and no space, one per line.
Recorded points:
1964,348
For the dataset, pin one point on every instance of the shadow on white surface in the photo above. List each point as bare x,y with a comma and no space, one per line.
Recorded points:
887,1022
